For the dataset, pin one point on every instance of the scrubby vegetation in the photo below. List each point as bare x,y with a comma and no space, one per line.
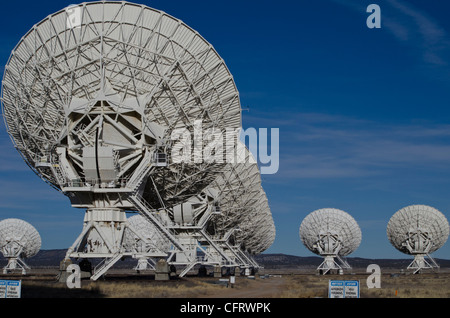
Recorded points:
280,285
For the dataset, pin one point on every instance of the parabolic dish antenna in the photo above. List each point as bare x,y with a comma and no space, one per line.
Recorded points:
227,221
330,233
245,219
418,230
103,100
257,227
97,91
18,240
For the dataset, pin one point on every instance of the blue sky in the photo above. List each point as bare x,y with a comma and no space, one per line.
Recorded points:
363,113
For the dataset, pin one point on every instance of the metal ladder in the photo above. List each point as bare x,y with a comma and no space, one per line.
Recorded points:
106,265
146,210
217,248
141,171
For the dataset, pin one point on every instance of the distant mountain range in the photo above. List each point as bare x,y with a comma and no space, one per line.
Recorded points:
289,261
52,258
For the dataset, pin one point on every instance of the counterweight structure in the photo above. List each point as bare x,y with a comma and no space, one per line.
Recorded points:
332,234
18,240
418,230
98,97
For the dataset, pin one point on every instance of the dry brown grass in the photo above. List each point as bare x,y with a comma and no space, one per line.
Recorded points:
151,290
304,286
287,285
429,285
123,287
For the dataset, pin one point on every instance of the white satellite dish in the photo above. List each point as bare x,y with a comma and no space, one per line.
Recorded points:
111,92
332,234
243,225
92,96
257,228
212,221
18,240
418,230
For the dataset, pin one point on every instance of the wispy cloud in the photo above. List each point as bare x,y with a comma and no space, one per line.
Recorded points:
416,28
327,146
413,27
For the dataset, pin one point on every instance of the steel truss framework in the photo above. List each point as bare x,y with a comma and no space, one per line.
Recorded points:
143,239
227,222
92,106
332,234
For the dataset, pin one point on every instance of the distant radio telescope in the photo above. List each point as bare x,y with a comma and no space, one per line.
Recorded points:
332,234
418,230
18,240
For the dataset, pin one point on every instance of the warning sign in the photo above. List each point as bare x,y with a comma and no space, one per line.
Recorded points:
351,289
343,289
336,289
10,288
2,288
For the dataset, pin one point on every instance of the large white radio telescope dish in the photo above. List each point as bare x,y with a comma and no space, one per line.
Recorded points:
245,213
418,230
330,233
85,103
18,240
118,106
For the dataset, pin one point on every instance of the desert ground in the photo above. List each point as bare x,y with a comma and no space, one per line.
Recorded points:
283,283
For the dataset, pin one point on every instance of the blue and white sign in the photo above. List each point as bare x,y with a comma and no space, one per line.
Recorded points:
343,289
10,288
